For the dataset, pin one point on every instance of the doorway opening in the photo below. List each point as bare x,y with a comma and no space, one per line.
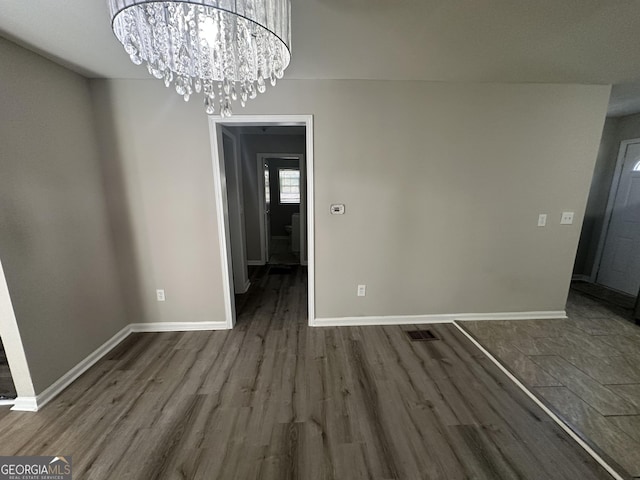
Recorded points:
281,203
618,256
607,265
263,180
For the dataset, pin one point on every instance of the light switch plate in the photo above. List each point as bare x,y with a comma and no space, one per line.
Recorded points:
362,290
567,218
337,209
160,295
542,219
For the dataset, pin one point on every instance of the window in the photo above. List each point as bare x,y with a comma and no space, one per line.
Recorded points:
636,167
289,185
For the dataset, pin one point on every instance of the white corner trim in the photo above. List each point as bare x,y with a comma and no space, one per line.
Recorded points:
437,318
222,219
25,404
178,326
64,381
542,406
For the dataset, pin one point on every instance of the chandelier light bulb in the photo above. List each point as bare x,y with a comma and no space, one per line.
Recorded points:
202,46
209,31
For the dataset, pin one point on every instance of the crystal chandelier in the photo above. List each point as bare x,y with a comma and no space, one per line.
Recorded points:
227,49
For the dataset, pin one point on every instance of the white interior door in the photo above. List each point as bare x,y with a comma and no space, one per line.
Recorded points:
620,265
236,212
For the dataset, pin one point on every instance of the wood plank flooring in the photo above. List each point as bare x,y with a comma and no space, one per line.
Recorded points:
586,369
274,399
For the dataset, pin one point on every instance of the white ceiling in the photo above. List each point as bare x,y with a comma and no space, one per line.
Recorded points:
550,41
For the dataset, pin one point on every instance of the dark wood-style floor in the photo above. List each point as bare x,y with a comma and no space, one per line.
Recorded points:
274,399
585,368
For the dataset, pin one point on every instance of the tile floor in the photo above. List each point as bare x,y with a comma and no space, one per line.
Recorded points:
585,368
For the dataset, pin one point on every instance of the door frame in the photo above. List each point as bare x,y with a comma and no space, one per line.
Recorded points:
613,193
260,158
235,204
222,210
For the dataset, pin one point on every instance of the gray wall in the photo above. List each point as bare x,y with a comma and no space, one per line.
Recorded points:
55,241
12,342
156,156
615,131
252,145
443,184
628,128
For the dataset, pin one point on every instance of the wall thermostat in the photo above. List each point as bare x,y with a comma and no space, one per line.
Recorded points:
337,209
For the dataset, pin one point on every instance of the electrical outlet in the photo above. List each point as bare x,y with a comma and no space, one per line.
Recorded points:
567,218
160,295
542,220
362,290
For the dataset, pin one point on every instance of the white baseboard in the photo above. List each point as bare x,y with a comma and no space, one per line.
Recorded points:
177,326
256,263
32,404
25,404
5,403
437,318
63,382
542,315
581,278
383,320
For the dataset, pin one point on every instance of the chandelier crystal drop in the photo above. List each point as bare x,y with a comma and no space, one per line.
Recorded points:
226,49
